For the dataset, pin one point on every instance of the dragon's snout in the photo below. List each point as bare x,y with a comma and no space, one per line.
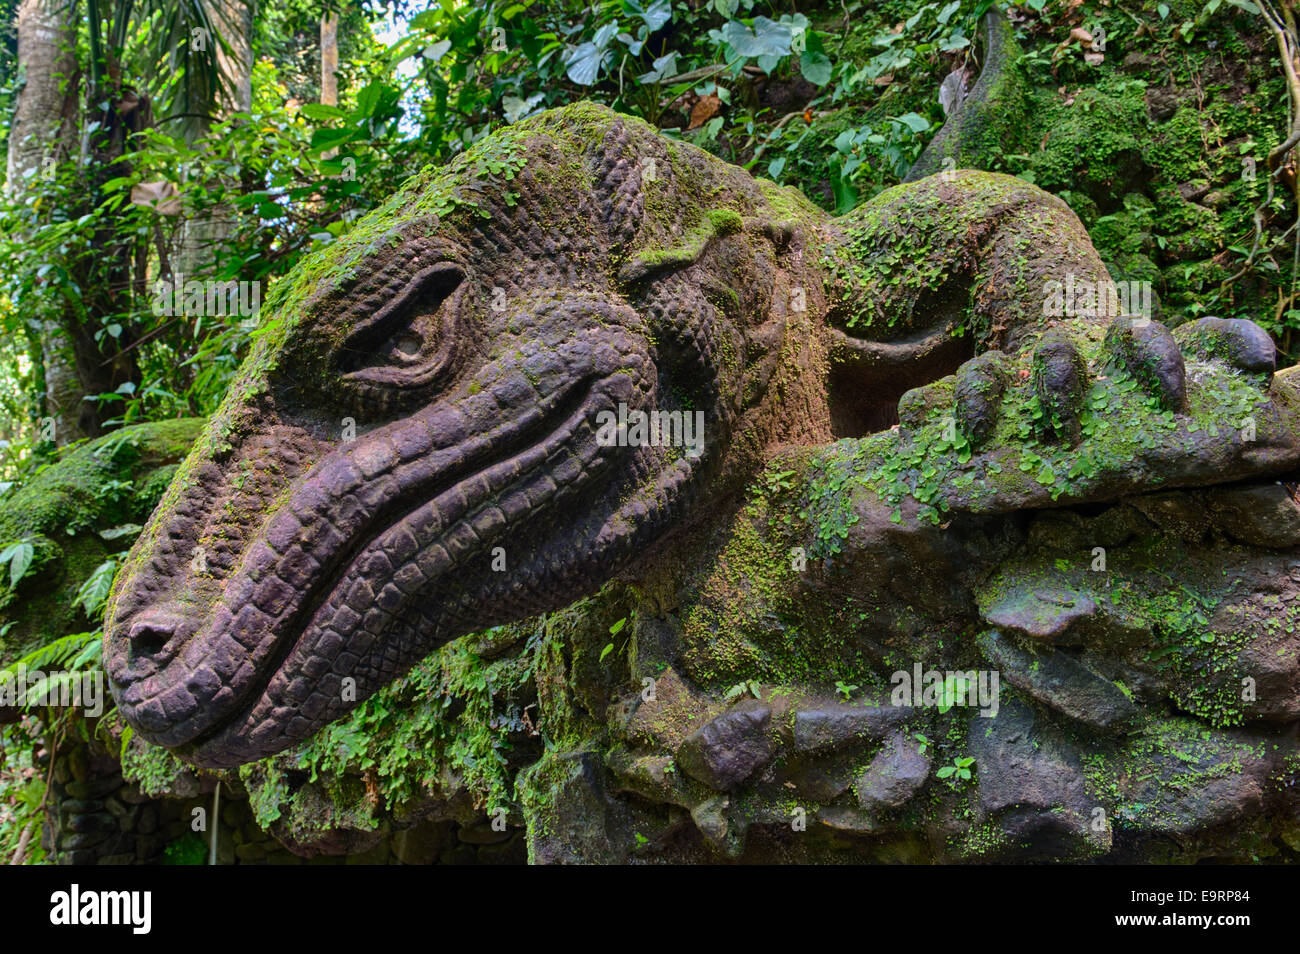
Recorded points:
380,547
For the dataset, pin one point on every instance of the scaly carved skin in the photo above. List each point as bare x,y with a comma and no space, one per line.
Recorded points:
473,328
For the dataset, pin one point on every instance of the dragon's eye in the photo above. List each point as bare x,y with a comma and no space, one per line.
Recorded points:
409,341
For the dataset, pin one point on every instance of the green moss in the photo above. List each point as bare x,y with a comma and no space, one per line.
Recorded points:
726,221
914,251
107,485
789,205
1178,756
985,840
152,768
268,791
932,464
1093,145
459,724
993,117
751,621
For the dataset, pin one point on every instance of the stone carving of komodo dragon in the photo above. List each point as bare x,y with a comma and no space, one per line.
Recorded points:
471,330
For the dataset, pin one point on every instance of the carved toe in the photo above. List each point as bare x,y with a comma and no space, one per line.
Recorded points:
1147,350
1059,379
1241,343
978,395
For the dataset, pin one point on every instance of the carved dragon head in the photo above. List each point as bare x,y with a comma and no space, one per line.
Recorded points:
420,443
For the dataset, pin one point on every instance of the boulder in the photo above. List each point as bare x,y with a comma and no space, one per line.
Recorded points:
894,776
729,748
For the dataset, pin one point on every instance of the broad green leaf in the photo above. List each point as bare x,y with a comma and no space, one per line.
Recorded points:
368,99
815,67
321,112
584,62
20,559
918,124
434,52
767,38
662,68
94,592
654,17
323,140
516,109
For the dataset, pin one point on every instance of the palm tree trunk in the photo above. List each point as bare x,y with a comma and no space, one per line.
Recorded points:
329,59
198,237
329,66
43,135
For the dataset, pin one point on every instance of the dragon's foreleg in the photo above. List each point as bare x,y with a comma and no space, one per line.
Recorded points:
1008,269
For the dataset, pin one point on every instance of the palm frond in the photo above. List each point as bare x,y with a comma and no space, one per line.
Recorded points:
60,653
174,43
186,37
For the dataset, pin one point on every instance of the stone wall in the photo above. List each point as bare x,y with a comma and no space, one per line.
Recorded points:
97,817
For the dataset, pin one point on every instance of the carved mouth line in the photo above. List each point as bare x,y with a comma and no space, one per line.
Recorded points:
573,407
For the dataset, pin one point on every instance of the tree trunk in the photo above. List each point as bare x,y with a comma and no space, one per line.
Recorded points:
106,271
237,65
329,66
43,134
199,236
198,239
329,59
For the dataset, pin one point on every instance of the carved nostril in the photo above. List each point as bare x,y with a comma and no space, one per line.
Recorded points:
150,635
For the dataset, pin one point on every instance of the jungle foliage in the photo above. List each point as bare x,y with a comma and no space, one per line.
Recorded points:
1164,125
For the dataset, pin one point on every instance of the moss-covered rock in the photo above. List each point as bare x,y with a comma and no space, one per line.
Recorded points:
77,513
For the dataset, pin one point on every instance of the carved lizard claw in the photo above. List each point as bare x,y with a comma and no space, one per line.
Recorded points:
1237,342
1060,375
